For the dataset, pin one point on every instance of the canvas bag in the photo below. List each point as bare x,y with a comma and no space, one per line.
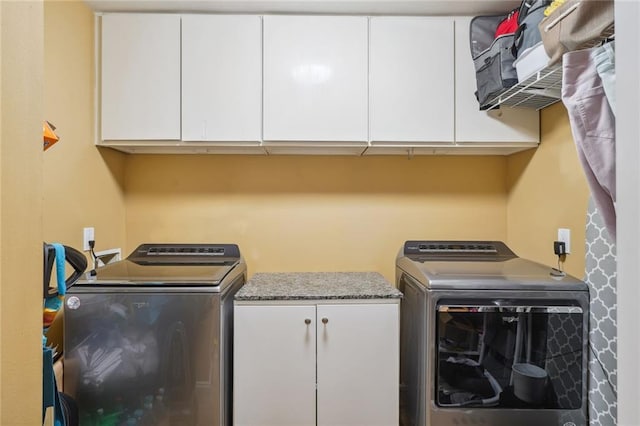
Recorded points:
574,24
492,58
528,35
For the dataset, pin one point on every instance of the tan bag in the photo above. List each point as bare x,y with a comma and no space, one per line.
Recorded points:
576,25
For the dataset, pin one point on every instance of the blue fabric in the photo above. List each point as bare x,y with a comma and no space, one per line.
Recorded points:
54,304
50,396
605,59
60,264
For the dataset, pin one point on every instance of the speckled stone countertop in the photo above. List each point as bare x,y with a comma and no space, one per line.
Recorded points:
317,285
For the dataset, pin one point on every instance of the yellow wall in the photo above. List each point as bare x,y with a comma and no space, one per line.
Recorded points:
347,213
1,227
287,213
83,185
21,108
314,213
547,190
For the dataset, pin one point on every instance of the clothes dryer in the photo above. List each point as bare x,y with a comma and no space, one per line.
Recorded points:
488,338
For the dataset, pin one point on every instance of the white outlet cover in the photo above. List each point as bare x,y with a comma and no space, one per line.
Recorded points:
564,235
88,234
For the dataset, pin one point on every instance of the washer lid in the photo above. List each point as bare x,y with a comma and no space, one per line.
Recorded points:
173,265
479,265
509,270
498,275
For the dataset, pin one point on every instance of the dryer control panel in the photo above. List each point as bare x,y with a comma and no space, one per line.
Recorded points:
458,250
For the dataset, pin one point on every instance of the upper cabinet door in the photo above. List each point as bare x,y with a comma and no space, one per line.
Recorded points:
315,78
140,77
473,125
411,92
221,78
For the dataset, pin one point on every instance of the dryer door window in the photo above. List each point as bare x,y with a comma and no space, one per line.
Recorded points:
515,356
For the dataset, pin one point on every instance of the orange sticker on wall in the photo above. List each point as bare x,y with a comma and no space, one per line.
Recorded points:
49,135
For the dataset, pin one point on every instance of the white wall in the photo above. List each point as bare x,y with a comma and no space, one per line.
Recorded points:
628,207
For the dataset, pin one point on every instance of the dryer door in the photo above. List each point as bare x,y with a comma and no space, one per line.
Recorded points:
497,353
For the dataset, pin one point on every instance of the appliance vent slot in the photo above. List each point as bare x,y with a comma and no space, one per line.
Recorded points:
185,251
458,248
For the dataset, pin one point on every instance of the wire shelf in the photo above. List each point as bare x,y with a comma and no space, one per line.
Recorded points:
544,87
540,90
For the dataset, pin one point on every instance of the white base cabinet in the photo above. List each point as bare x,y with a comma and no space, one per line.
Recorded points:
274,365
357,363
342,358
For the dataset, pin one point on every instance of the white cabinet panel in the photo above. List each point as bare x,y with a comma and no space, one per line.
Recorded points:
221,78
140,78
358,374
411,88
274,365
473,125
315,78
353,357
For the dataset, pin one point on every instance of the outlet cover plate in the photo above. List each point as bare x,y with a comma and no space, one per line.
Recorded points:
564,235
88,234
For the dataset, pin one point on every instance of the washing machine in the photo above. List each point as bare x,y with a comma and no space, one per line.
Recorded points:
489,338
148,340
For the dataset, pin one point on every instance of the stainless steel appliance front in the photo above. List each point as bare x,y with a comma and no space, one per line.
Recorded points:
153,347
492,349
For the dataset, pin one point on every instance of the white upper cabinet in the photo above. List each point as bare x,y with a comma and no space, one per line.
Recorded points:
140,94
315,78
291,84
516,125
221,78
411,86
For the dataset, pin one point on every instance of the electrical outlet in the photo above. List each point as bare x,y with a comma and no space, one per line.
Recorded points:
564,235
88,234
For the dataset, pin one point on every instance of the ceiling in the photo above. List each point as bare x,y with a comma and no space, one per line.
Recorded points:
362,7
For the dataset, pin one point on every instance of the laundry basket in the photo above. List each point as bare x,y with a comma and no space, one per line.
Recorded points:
492,58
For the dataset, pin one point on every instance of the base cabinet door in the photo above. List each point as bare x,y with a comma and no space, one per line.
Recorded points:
316,364
274,365
358,359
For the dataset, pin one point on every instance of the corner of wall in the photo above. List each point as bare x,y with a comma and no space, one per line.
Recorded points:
84,185
547,190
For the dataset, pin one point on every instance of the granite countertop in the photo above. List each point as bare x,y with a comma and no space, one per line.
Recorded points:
317,285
